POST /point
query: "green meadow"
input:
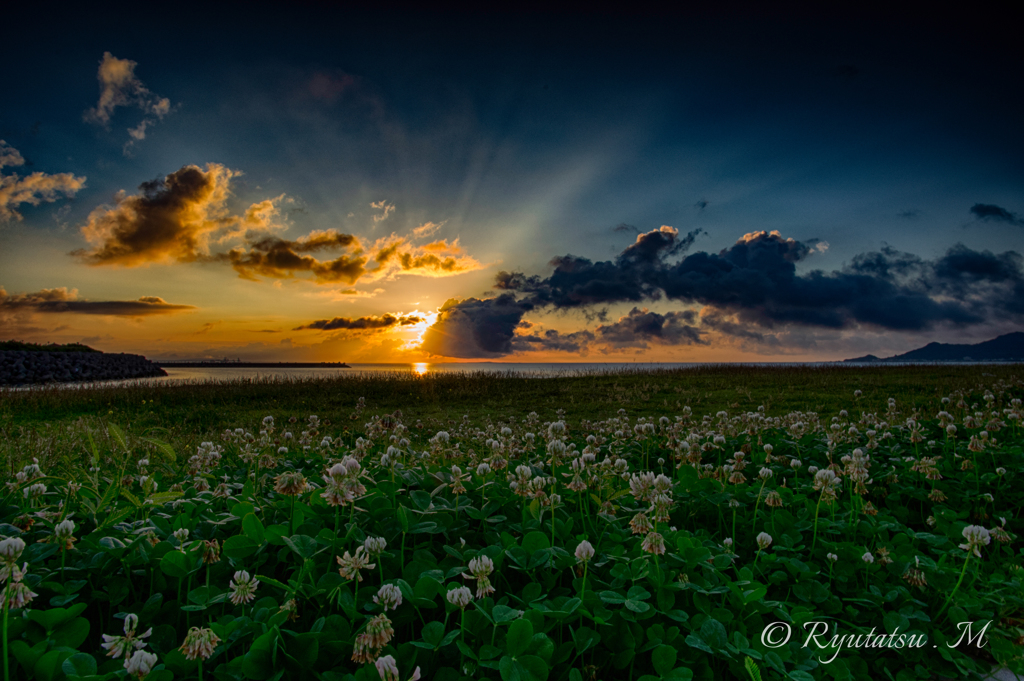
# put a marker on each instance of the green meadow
(826, 522)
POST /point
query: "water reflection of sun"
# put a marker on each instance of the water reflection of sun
(420, 368)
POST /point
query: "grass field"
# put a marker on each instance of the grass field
(187, 413)
(642, 526)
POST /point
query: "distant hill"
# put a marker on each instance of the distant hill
(19, 346)
(1005, 348)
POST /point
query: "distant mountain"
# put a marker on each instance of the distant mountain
(1005, 348)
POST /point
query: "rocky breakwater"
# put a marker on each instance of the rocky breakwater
(21, 367)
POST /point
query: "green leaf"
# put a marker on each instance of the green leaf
(638, 593)
(536, 666)
(301, 544)
(79, 664)
(433, 633)
(520, 632)
(535, 541)
(253, 528)
(403, 518)
(895, 622)
(512, 670)
(176, 564)
(503, 613)
(165, 448)
(71, 634)
(48, 668)
(305, 649)
(585, 638)
(798, 675)
(118, 435)
(612, 597)
(54, 617)
(421, 499)
(258, 663)
(664, 659)
(699, 644)
(239, 546)
(637, 606)
(714, 634)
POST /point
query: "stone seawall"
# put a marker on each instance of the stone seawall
(19, 368)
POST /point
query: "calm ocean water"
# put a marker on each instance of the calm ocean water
(540, 370)
(550, 369)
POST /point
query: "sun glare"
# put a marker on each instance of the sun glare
(420, 368)
(413, 333)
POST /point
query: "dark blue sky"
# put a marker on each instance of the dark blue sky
(528, 135)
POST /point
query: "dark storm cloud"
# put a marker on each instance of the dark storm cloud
(988, 212)
(62, 300)
(578, 282)
(701, 205)
(474, 328)
(385, 321)
(640, 327)
(754, 283)
(577, 342)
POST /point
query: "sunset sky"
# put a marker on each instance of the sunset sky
(309, 182)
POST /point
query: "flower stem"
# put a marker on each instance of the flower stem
(7, 672)
(958, 582)
(757, 503)
(816, 508)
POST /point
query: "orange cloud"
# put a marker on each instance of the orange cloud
(32, 189)
(172, 219)
(395, 255)
(62, 300)
(120, 87)
(370, 323)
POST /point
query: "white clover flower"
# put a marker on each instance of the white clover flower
(584, 552)
(387, 667)
(11, 548)
(976, 536)
(199, 643)
(832, 557)
(389, 597)
(868, 558)
(64, 530)
(118, 646)
(768, 449)
(1000, 471)
(483, 469)
(181, 535)
(764, 540)
(375, 546)
(243, 588)
(140, 664)
(460, 597)
(765, 473)
(727, 542)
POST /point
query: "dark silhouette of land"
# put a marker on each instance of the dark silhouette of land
(1006, 348)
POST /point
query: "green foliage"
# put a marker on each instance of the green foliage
(411, 523)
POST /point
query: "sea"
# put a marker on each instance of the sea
(227, 373)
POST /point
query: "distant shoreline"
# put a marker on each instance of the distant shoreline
(252, 365)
